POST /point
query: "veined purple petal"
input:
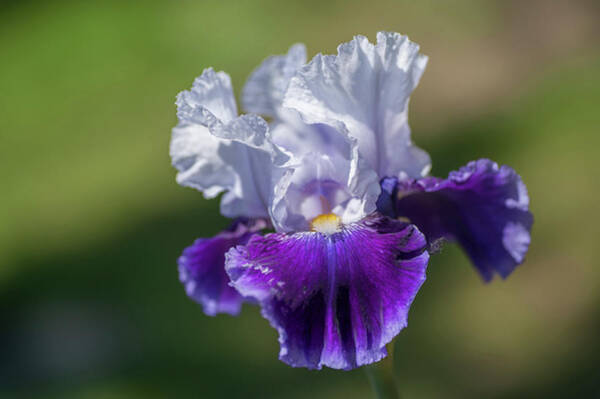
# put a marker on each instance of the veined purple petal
(202, 268)
(336, 300)
(482, 206)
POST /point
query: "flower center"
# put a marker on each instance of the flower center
(327, 223)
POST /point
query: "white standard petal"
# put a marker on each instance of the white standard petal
(321, 183)
(291, 133)
(255, 175)
(215, 150)
(195, 154)
(212, 92)
(264, 90)
(366, 88)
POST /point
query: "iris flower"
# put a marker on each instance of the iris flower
(345, 193)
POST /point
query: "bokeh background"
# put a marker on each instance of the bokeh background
(92, 221)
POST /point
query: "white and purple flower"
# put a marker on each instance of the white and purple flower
(336, 175)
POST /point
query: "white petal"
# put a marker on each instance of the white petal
(255, 174)
(215, 150)
(195, 154)
(366, 88)
(291, 133)
(319, 182)
(212, 92)
(263, 93)
(213, 165)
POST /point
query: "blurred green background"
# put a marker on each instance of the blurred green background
(92, 221)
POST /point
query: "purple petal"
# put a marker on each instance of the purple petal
(336, 300)
(482, 206)
(202, 268)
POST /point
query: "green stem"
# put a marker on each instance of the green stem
(382, 378)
